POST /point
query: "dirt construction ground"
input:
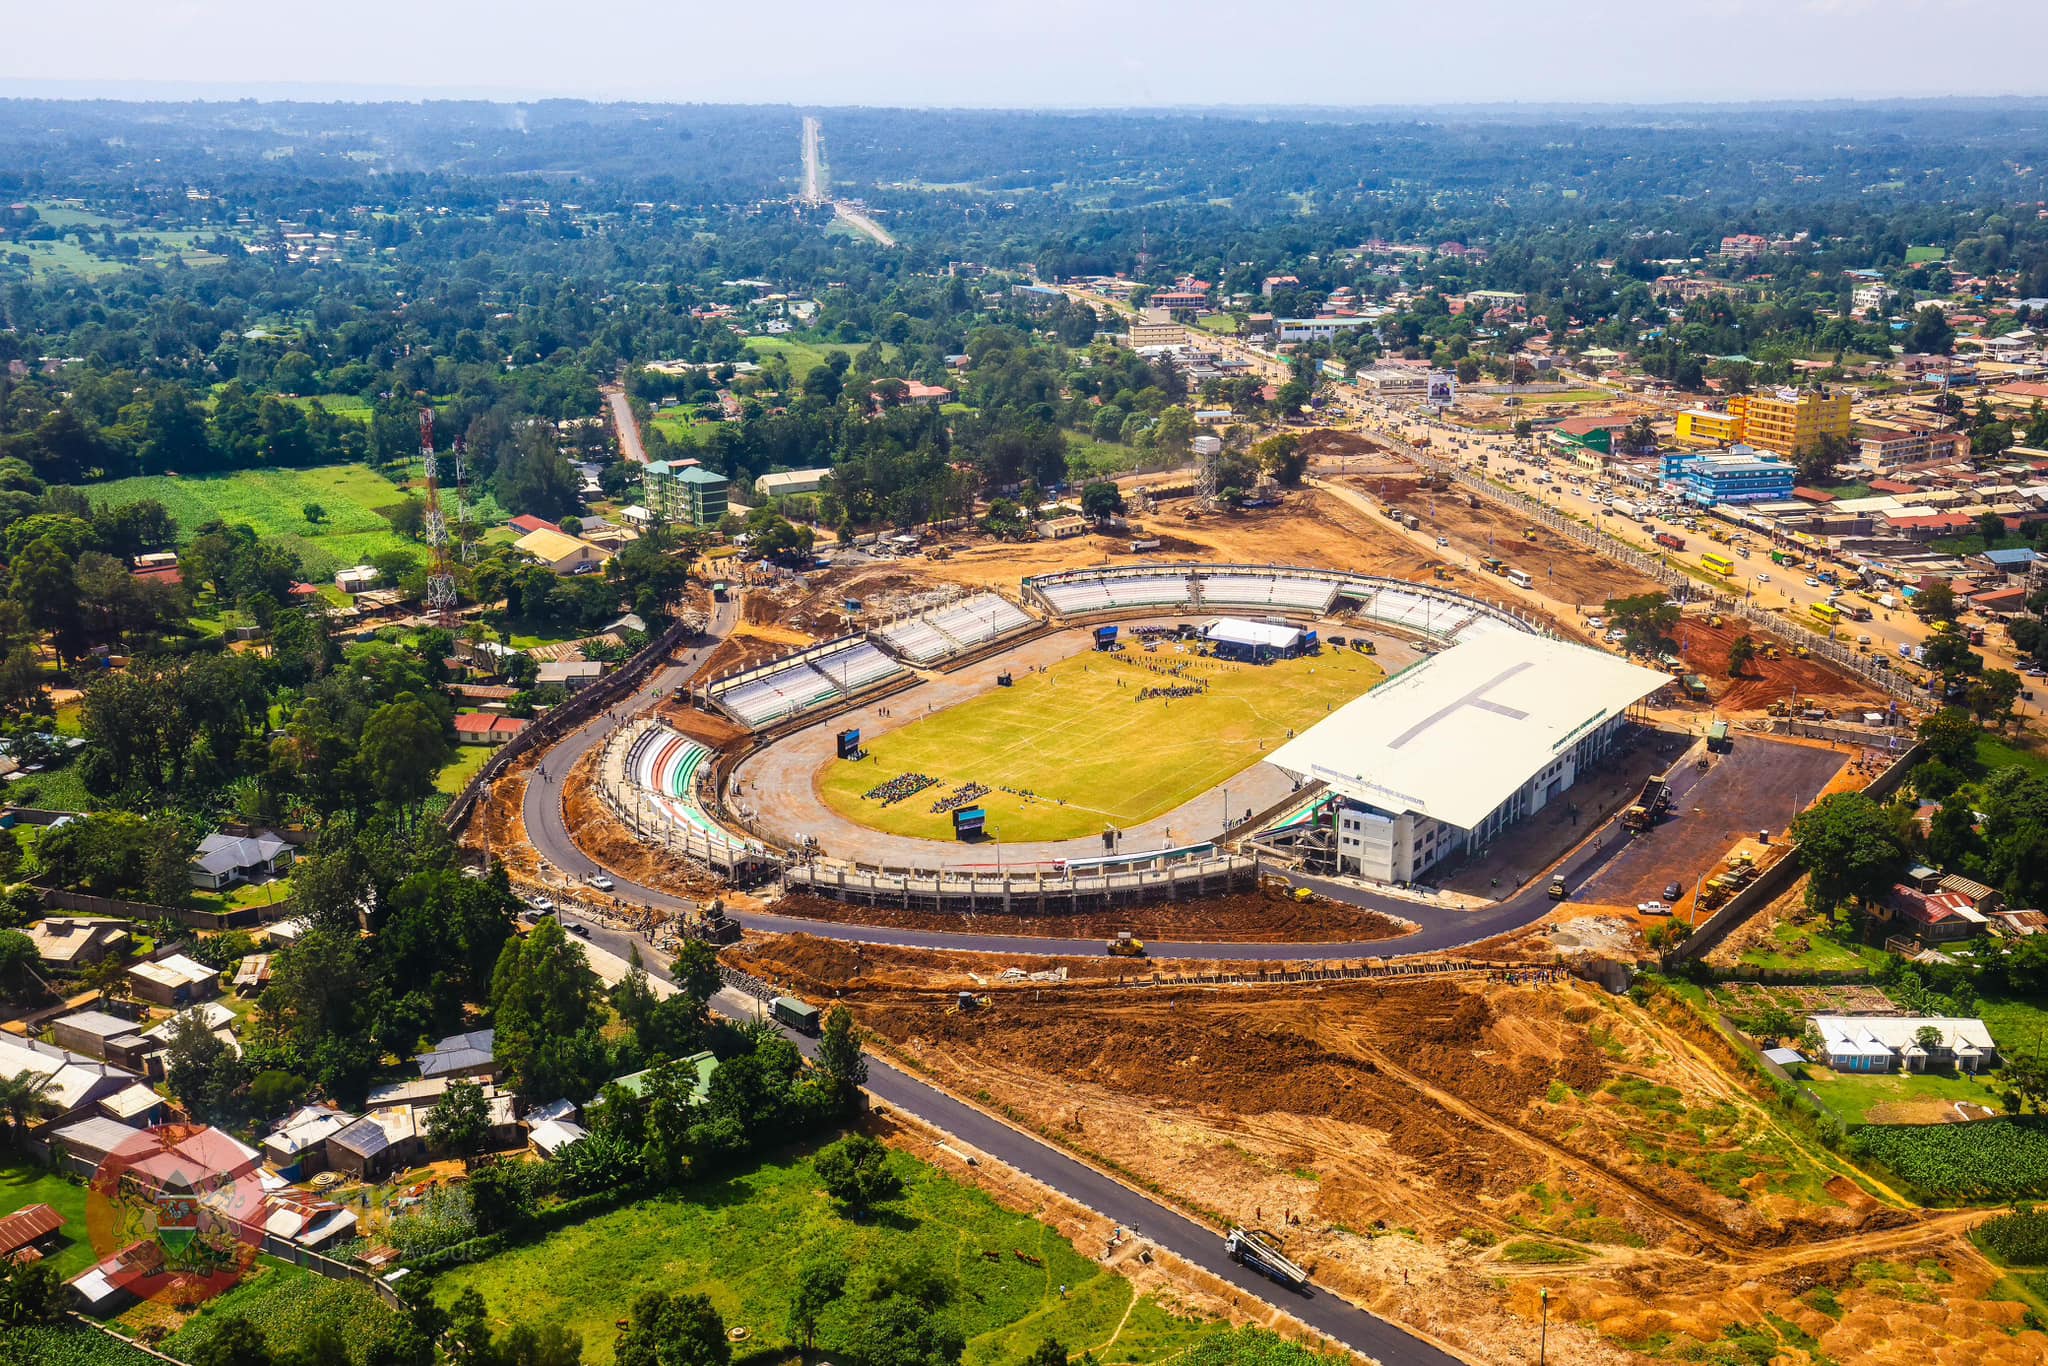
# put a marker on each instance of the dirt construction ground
(1440, 1149)
(1764, 681)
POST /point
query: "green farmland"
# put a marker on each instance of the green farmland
(1092, 752)
(272, 502)
(741, 1241)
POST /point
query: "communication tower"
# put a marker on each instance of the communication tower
(441, 576)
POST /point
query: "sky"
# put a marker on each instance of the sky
(1028, 53)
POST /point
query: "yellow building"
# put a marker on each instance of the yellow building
(1704, 427)
(1791, 421)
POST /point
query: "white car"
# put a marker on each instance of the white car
(1763, 578)
(602, 883)
(1596, 622)
(1813, 583)
(1617, 635)
(541, 905)
(1443, 540)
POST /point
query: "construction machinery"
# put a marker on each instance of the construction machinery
(1125, 946)
(1259, 1251)
(1557, 889)
(713, 926)
(1652, 802)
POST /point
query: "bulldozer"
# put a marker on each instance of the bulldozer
(1124, 946)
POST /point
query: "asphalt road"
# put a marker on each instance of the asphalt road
(1157, 1224)
(629, 428)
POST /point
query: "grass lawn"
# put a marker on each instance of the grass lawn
(806, 356)
(350, 406)
(245, 895)
(1221, 323)
(354, 497)
(1994, 753)
(2015, 1022)
(1088, 458)
(1916, 255)
(740, 1241)
(1797, 946)
(468, 759)
(25, 1184)
(1896, 1098)
(1072, 735)
(682, 426)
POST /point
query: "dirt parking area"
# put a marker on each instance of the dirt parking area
(1758, 785)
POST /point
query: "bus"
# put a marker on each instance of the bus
(1717, 564)
(1826, 613)
(1519, 578)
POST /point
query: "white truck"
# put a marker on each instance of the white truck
(1259, 1252)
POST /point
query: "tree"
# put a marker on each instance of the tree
(820, 1281)
(1937, 602)
(204, 1070)
(1049, 1352)
(544, 1002)
(1646, 621)
(404, 747)
(855, 1172)
(236, 1342)
(1928, 1037)
(1992, 696)
(695, 970)
(314, 513)
(1850, 848)
(18, 958)
(21, 1098)
(460, 1122)
(1947, 652)
(1282, 458)
(840, 1061)
(31, 1293)
(1102, 500)
(1741, 651)
(673, 1330)
(2026, 1071)
(1930, 334)
(1950, 737)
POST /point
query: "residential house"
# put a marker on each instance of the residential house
(306, 1220)
(358, 579)
(1931, 917)
(93, 1140)
(28, 1233)
(297, 1148)
(70, 1082)
(527, 523)
(486, 728)
(252, 974)
(574, 675)
(110, 1286)
(1891, 1043)
(460, 1055)
(224, 860)
(550, 1136)
(87, 1032)
(174, 981)
(684, 493)
(378, 1144)
(563, 554)
(68, 943)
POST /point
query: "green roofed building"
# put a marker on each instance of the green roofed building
(683, 491)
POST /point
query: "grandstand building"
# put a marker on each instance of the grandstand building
(1451, 751)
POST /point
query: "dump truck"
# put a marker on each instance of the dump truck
(1669, 541)
(801, 1016)
(1653, 801)
(1124, 946)
(1258, 1251)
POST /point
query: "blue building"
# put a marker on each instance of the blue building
(1737, 475)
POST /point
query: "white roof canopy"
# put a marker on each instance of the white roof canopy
(1453, 737)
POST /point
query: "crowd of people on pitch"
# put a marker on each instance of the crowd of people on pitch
(959, 797)
(1177, 690)
(900, 789)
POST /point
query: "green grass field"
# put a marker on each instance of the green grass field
(468, 760)
(682, 426)
(1917, 255)
(273, 502)
(805, 356)
(740, 1241)
(1854, 1097)
(1995, 754)
(288, 1304)
(1796, 946)
(25, 1184)
(347, 406)
(1072, 735)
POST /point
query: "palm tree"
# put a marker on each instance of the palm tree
(21, 1097)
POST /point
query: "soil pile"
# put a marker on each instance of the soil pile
(1263, 915)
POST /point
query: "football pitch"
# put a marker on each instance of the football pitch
(1077, 738)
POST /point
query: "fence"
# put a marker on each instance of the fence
(1655, 567)
(570, 715)
(238, 919)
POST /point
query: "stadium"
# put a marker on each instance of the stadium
(1131, 719)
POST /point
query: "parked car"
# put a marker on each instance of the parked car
(602, 883)
(1672, 891)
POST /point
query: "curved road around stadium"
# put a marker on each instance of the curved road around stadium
(1438, 927)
